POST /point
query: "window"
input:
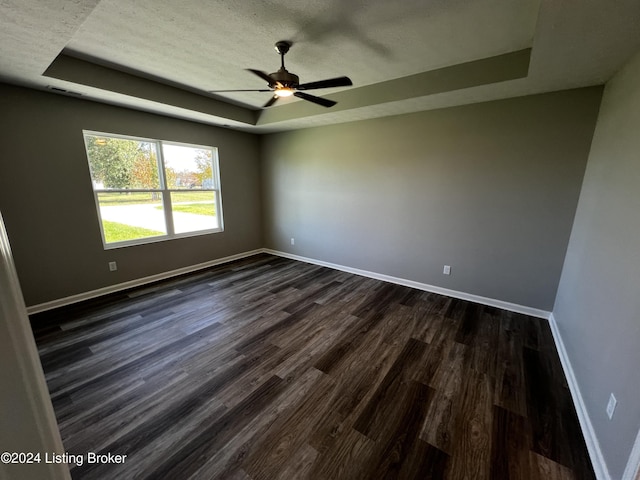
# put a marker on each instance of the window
(151, 190)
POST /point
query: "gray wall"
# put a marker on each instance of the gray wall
(598, 303)
(490, 189)
(49, 209)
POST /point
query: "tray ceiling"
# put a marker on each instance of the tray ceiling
(165, 55)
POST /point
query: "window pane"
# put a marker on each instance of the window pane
(193, 211)
(130, 216)
(188, 167)
(121, 163)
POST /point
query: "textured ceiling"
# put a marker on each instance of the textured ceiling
(404, 56)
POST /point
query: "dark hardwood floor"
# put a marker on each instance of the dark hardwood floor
(268, 368)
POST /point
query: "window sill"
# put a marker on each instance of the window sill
(159, 238)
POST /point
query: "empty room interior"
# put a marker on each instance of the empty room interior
(320, 239)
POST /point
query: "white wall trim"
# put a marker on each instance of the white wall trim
(593, 446)
(513, 307)
(633, 465)
(33, 426)
(41, 307)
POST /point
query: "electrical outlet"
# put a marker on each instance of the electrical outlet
(447, 270)
(293, 241)
(611, 406)
(113, 266)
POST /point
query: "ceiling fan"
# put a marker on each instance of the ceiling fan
(285, 84)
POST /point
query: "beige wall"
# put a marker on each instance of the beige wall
(47, 200)
(490, 189)
(598, 302)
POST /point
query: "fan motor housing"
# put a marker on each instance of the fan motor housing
(284, 78)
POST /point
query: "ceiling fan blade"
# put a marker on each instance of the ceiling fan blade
(251, 90)
(262, 75)
(311, 98)
(331, 82)
(271, 101)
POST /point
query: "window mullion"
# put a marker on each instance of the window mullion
(166, 195)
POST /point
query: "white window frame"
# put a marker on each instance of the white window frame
(163, 190)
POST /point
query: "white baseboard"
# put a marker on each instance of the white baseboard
(534, 312)
(633, 465)
(41, 307)
(593, 446)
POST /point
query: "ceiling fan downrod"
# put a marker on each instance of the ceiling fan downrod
(282, 47)
(282, 79)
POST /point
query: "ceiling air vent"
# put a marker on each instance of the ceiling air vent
(63, 91)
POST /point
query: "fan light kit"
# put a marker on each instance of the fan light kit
(284, 92)
(285, 84)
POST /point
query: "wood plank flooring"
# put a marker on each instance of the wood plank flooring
(268, 368)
